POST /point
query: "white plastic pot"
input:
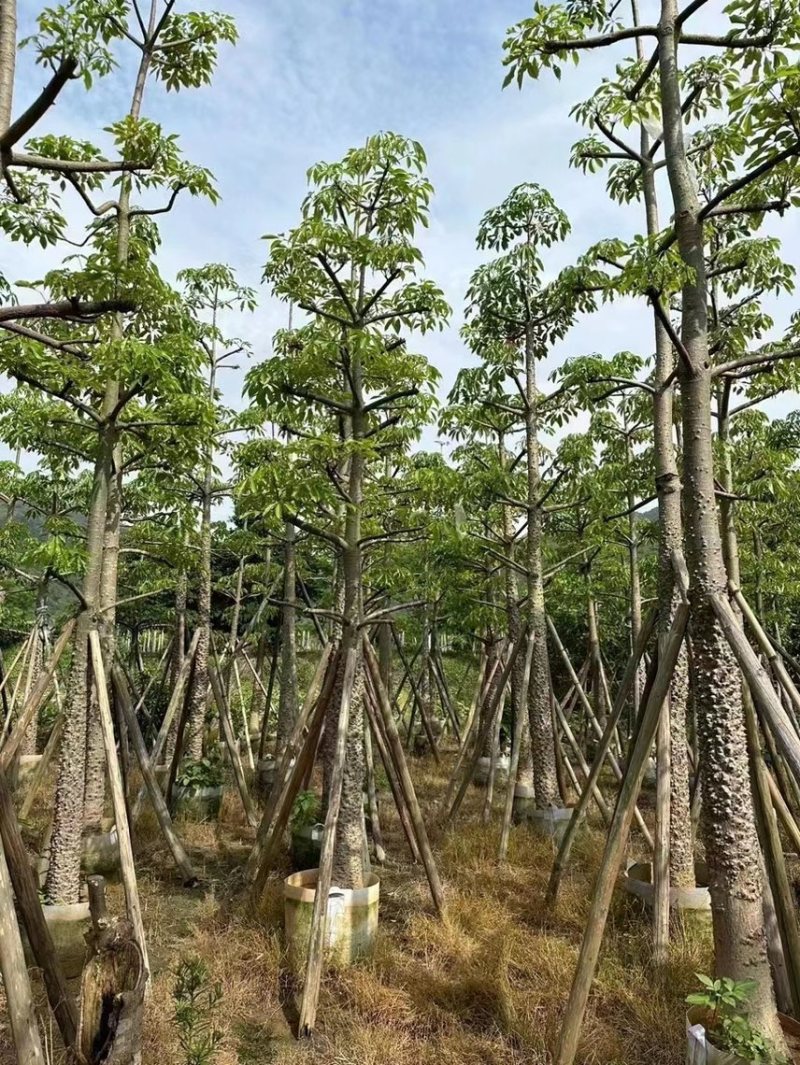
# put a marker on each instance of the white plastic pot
(701, 1051)
(638, 881)
(524, 803)
(68, 923)
(552, 822)
(101, 852)
(199, 804)
(266, 768)
(483, 769)
(352, 919)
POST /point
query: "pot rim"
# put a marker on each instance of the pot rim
(301, 887)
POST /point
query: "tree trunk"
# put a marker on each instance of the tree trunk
(287, 700)
(732, 848)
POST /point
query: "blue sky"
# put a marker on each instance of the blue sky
(310, 78)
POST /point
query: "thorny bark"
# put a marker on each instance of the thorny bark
(670, 539)
(287, 703)
(8, 59)
(543, 752)
(732, 848)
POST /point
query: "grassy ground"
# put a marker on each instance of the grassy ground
(487, 984)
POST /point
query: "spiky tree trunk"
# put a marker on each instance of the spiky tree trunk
(287, 703)
(670, 539)
(36, 663)
(8, 59)
(732, 848)
(543, 752)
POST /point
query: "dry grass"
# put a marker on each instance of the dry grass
(485, 985)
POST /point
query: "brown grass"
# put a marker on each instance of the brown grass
(485, 985)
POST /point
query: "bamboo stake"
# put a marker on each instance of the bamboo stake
(473, 706)
(773, 854)
(784, 813)
(597, 794)
(395, 748)
(16, 983)
(273, 669)
(169, 715)
(179, 855)
(419, 702)
(40, 772)
(391, 773)
(765, 696)
(12, 702)
(617, 838)
(516, 742)
(36, 699)
(598, 731)
(233, 748)
(128, 867)
(626, 684)
(495, 754)
(372, 797)
(767, 647)
(485, 731)
(319, 916)
(26, 889)
(245, 722)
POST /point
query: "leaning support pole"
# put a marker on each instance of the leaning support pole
(26, 889)
(395, 747)
(230, 740)
(578, 813)
(516, 742)
(53, 741)
(766, 698)
(16, 982)
(180, 857)
(35, 699)
(127, 864)
(391, 775)
(587, 706)
(617, 839)
(767, 648)
(319, 916)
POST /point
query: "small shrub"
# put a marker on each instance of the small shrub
(195, 1000)
(306, 810)
(723, 1002)
(205, 773)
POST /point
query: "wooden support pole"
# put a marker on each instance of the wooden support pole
(391, 774)
(319, 916)
(598, 731)
(175, 700)
(772, 849)
(520, 721)
(26, 889)
(372, 797)
(567, 1046)
(273, 670)
(233, 748)
(16, 982)
(767, 648)
(127, 865)
(579, 811)
(180, 857)
(50, 748)
(35, 699)
(766, 698)
(419, 702)
(395, 748)
(597, 794)
(486, 729)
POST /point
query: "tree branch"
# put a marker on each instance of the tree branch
(46, 98)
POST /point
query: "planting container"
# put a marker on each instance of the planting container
(638, 881)
(552, 822)
(306, 845)
(101, 852)
(266, 768)
(351, 926)
(701, 1051)
(198, 804)
(68, 923)
(524, 804)
(483, 767)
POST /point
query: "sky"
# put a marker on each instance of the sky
(311, 78)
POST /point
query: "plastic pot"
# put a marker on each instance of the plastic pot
(352, 919)
(552, 822)
(101, 852)
(701, 1051)
(483, 769)
(68, 923)
(638, 881)
(266, 768)
(199, 804)
(306, 845)
(524, 804)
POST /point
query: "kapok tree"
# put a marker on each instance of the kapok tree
(515, 316)
(345, 385)
(755, 51)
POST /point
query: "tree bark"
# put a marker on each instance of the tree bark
(732, 848)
